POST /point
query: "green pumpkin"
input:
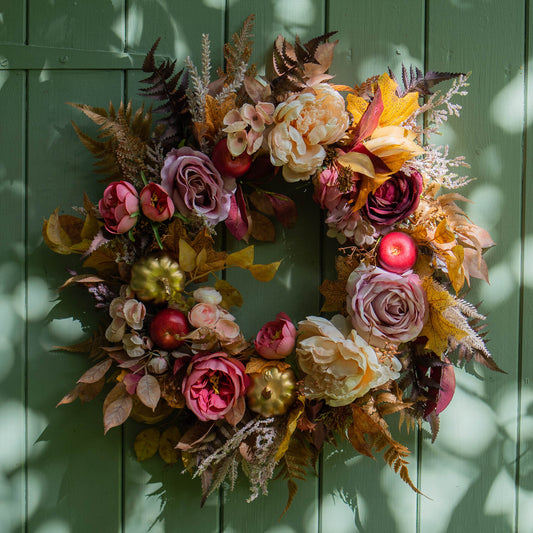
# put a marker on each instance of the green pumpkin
(157, 279)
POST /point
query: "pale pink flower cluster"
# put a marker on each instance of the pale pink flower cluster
(124, 311)
(304, 124)
(245, 127)
(215, 318)
(339, 365)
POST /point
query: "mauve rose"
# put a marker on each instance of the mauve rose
(395, 200)
(213, 385)
(156, 204)
(195, 185)
(119, 207)
(385, 308)
(276, 339)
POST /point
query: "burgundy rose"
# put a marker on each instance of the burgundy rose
(395, 199)
(385, 308)
(119, 207)
(156, 203)
(214, 385)
(195, 185)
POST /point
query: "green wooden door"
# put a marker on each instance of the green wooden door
(58, 473)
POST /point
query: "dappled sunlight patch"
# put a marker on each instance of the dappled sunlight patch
(500, 499)
(502, 286)
(338, 515)
(487, 205)
(507, 107)
(53, 525)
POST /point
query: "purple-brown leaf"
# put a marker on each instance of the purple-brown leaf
(149, 391)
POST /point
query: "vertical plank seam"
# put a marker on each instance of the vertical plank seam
(224, 238)
(420, 439)
(25, 22)
(521, 291)
(125, 12)
(26, 268)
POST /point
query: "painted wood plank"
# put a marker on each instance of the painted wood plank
(13, 21)
(524, 487)
(159, 496)
(94, 25)
(12, 302)
(74, 472)
(360, 494)
(294, 290)
(469, 473)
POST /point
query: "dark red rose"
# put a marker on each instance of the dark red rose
(395, 200)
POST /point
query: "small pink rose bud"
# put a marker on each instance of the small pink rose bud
(156, 204)
(276, 339)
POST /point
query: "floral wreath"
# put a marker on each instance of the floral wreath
(174, 354)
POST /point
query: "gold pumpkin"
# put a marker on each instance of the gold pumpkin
(157, 279)
(272, 391)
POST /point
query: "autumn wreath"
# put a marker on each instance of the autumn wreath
(170, 347)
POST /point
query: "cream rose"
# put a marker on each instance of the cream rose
(339, 367)
(304, 124)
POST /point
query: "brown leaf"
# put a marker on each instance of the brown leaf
(334, 293)
(167, 445)
(262, 227)
(195, 436)
(235, 414)
(261, 202)
(117, 412)
(82, 279)
(89, 391)
(149, 391)
(146, 443)
(96, 372)
(362, 424)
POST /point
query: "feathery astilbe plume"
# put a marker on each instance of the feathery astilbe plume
(155, 159)
(168, 88)
(121, 154)
(235, 84)
(435, 164)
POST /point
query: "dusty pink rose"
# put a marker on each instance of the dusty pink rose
(156, 204)
(276, 339)
(195, 185)
(204, 314)
(385, 308)
(214, 384)
(395, 199)
(119, 207)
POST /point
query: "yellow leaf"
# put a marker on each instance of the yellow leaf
(257, 365)
(201, 258)
(292, 422)
(146, 444)
(438, 328)
(243, 258)
(230, 295)
(187, 256)
(264, 272)
(443, 233)
(395, 109)
(356, 106)
(167, 445)
(454, 263)
(357, 162)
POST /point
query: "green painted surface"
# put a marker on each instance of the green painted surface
(77, 480)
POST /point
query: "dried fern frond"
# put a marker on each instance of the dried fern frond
(239, 50)
(414, 80)
(169, 88)
(121, 154)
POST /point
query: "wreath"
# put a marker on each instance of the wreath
(170, 348)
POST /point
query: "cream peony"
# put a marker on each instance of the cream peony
(304, 124)
(340, 365)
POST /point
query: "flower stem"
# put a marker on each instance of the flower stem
(156, 233)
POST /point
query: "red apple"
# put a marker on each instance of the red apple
(226, 164)
(397, 252)
(167, 327)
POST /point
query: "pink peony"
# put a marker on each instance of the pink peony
(119, 207)
(214, 385)
(385, 308)
(195, 185)
(156, 204)
(276, 339)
